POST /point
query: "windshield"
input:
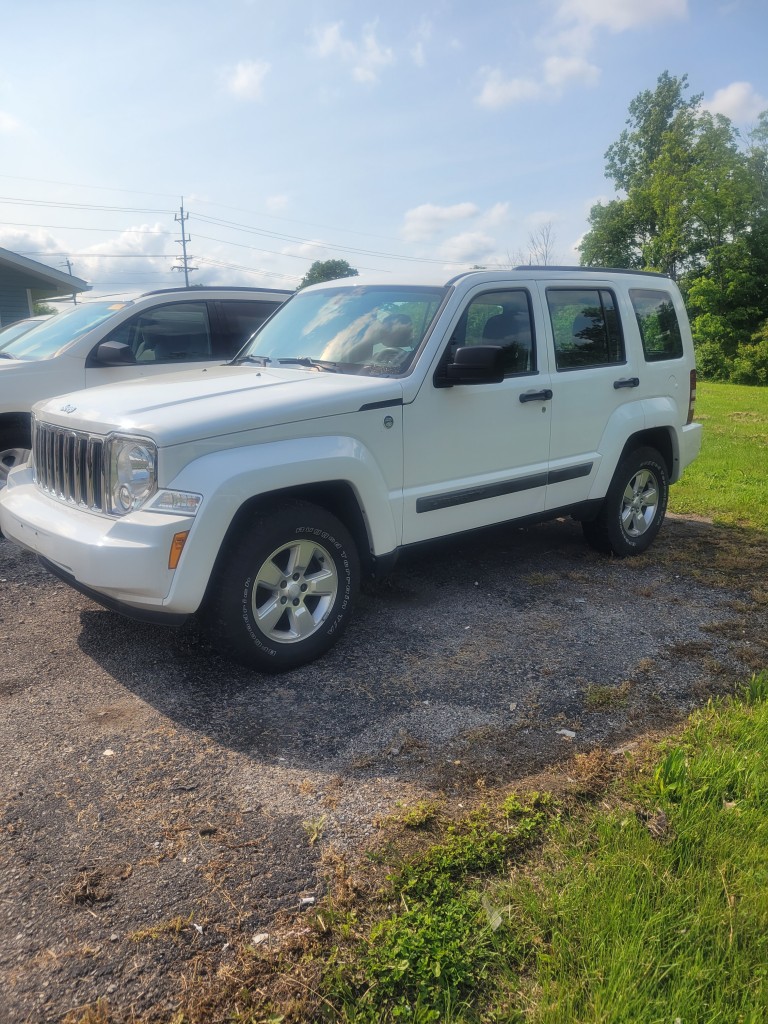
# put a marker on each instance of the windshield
(7, 334)
(47, 338)
(374, 329)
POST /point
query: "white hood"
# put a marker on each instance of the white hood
(180, 407)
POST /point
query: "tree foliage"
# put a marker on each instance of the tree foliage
(327, 270)
(692, 202)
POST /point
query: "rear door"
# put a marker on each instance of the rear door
(592, 381)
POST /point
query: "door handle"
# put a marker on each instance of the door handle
(536, 396)
(627, 382)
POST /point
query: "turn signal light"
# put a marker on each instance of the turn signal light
(177, 546)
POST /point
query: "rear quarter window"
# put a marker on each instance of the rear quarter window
(658, 324)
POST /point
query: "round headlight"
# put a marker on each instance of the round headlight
(133, 478)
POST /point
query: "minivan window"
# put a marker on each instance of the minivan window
(45, 340)
(657, 320)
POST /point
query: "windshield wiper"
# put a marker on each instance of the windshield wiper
(6, 355)
(319, 364)
(258, 360)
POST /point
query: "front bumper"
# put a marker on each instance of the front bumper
(123, 563)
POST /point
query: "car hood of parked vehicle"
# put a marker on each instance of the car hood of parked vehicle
(180, 407)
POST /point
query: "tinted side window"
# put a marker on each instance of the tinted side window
(179, 332)
(239, 319)
(585, 327)
(657, 320)
(501, 318)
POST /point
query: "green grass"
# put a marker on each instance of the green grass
(728, 482)
(660, 918)
(651, 907)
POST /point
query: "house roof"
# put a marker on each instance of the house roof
(42, 278)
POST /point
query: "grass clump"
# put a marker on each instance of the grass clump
(438, 946)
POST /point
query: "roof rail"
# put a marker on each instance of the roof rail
(218, 288)
(599, 270)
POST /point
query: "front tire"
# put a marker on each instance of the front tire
(634, 507)
(15, 445)
(282, 592)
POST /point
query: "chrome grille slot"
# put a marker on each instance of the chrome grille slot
(69, 465)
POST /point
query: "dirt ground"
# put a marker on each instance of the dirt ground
(159, 805)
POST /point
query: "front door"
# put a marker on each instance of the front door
(478, 454)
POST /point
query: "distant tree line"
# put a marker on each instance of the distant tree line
(692, 202)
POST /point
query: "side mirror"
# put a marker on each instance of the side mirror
(113, 353)
(476, 364)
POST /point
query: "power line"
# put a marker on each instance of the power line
(80, 206)
(79, 227)
(266, 232)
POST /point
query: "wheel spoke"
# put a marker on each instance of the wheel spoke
(651, 494)
(323, 583)
(269, 614)
(303, 623)
(300, 555)
(270, 576)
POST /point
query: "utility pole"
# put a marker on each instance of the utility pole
(69, 271)
(180, 218)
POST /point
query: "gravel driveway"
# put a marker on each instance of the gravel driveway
(159, 803)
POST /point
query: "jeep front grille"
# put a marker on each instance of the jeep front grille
(69, 465)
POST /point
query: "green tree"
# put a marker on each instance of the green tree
(327, 270)
(693, 203)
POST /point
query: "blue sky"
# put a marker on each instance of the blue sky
(410, 139)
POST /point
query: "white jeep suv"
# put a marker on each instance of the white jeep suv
(360, 419)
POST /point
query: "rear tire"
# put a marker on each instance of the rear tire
(634, 507)
(282, 592)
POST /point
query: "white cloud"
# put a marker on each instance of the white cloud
(423, 222)
(417, 54)
(495, 216)
(107, 269)
(739, 101)
(366, 57)
(560, 70)
(468, 247)
(34, 244)
(276, 204)
(566, 42)
(422, 35)
(499, 91)
(7, 123)
(246, 79)
(620, 15)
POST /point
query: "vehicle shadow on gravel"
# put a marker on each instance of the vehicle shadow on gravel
(476, 653)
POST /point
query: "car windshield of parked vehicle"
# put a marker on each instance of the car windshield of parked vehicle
(364, 329)
(15, 330)
(45, 340)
